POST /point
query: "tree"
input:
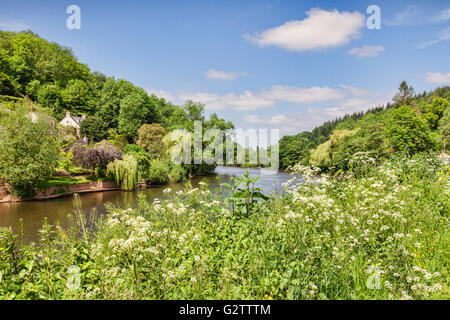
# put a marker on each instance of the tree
(125, 172)
(435, 110)
(407, 132)
(50, 96)
(132, 114)
(151, 139)
(79, 97)
(28, 151)
(444, 128)
(97, 156)
(94, 128)
(405, 95)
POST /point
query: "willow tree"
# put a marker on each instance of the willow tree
(125, 172)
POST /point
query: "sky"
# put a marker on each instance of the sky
(288, 65)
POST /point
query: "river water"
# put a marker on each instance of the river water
(33, 213)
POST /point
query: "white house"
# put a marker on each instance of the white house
(73, 121)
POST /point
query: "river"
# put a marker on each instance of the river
(33, 213)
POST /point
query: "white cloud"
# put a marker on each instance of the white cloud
(222, 75)
(302, 95)
(366, 51)
(443, 36)
(13, 26)
(249, 100)
(321, 29)
(438, 78)
(242, 102)
(443, 16)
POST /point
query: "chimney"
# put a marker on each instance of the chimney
(83, 116)
(67, 113)
(31, 108)
(85, 139)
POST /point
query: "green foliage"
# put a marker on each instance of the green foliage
(28, 151)
(132, 114)
(435, 111)
(142, 158)
(244, 200)
(94, 128)
(444, 129)
(65, 160)
(6, 87)
(79, 97)
(159, 172)
(150, 137)
(322, 156)
(407, 132)
(177, 173)
(125, 172)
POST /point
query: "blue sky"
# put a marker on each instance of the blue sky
(261, 64)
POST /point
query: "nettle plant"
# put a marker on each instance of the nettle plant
(245, 198)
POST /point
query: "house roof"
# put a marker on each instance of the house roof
(77, 119)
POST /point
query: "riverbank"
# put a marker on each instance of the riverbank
(63, 190)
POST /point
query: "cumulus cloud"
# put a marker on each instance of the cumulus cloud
(438, 78)
(222, 75)
(366, 51)
(13, 26)
(321, 29)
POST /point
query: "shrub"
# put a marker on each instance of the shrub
(178, 173)
(159, 172)
(97, 156)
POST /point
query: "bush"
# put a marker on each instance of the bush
(159, 172)
(178, 173)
